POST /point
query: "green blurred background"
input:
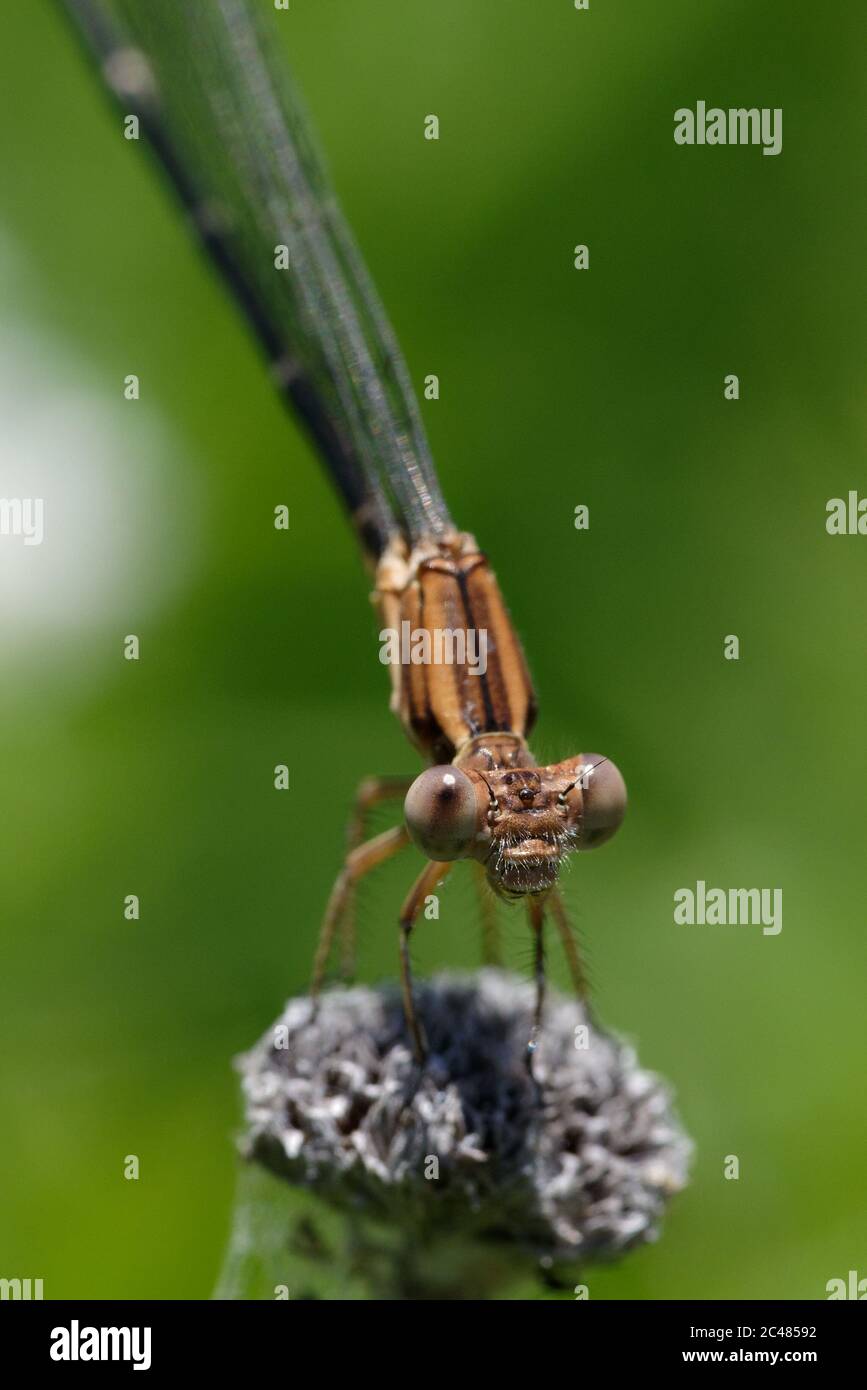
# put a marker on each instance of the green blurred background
(259, 647)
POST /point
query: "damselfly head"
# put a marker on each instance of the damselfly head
(543, 814)
(520, 822)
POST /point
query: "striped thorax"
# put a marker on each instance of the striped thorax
(485, 798)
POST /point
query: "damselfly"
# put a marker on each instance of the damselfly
(204, 81)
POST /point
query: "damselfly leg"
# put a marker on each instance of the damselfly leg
(536, 913)
(537, 907)
(491, 954)
(570, 946)
(424, 885)
(359, 862)
(372, 792)
(361, 859)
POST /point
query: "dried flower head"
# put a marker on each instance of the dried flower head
(576, 1161)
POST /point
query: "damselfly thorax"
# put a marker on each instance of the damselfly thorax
(446, 586)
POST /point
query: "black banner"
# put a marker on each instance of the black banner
(233, 1338)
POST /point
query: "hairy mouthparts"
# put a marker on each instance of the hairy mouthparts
(576, 1162)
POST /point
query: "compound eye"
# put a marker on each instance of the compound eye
(441, 813)
(604, 800)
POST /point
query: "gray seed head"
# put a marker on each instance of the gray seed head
(576, 1162)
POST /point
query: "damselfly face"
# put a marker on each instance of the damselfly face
(520, 822)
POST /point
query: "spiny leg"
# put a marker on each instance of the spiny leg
(371, 792)
(536, 909)
(424, 884)
(580, 981)
(570, 946)
(491, 954)
(358, 863)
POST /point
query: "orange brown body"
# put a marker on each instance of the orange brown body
(486, 798)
